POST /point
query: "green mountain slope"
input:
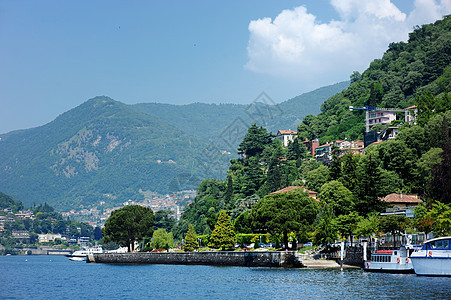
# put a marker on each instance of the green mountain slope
(213, 122)
(101, 150)
(397, 80)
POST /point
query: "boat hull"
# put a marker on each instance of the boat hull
(398, 268)
(432, 266)
(77, 258)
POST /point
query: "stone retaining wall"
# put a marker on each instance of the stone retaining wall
(223, 258)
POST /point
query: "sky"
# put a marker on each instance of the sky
(55, 55)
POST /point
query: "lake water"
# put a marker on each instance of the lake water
(55, 277)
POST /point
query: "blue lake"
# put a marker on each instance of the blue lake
(55, 277)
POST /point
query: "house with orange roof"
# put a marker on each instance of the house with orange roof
(311, 194)
(286, 136)
(401, 204)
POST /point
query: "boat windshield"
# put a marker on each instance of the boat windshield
(437, 245)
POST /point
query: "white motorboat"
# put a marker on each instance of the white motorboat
(434, 258)
(391, 261)
(82, 254)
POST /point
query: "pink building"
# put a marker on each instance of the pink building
(380, 116)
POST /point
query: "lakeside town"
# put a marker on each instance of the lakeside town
(97, 215)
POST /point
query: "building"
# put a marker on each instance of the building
(379, 116)
(401, 204)
(83, 240)
(20, 234)
(411, 115)
(49, 237)
(311, 145)
(4, 219)
(311, 194)
(355, 147)
(23, 216)
(389, 133)
(324, 153)
(286, 136)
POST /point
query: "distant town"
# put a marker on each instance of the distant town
(97, 215)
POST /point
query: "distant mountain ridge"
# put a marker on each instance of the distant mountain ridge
(210, 121)
(104, 150)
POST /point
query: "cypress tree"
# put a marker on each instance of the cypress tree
(190, 240)
(223, 235)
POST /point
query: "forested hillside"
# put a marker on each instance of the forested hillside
(349, 189)
(397, 80)
(107, 151)
(101, 150)
(43, 219)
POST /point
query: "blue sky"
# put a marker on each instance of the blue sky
(55, 55)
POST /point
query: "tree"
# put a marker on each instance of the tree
(190, 240)
(367, 226)
(335, 165)
(162, 239)
(325, 231)
(242, 223)
(317, 177)
(423, 172)
(370, 187)
(228, 195)
(395, 156)
(441, 214)
(355, 76)
(164, 220)
(349, 167)
(346, 224)
(253, 176)
(283, 213)
(97, 233)
(129, 224)
(423, 220)
(223, 235)
(393, 224)
(296, 150)
(426, 105)
(337, 196)
(441, 184)
(255, 141)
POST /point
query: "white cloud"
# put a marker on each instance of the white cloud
(296, 45)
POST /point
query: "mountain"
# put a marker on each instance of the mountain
(104, 150)
(212, 122)
(100, 150)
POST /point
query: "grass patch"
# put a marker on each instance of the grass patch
(302, 250)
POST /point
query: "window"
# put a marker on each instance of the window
(443, 244)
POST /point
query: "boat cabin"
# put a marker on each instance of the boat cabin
(437, 244)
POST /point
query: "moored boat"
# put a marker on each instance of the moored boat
(391, 261)
(434, 258)
(82, 254)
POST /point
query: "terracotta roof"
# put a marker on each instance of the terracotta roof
(312, 194)
(411, 107)
(401, 198)
(287, 132)
(325, 145)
